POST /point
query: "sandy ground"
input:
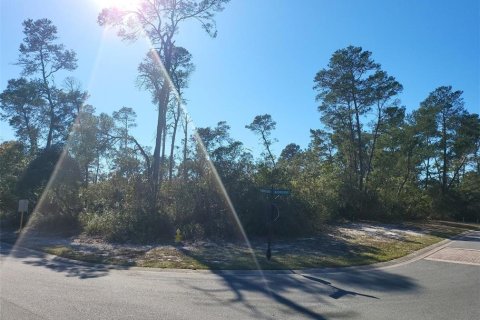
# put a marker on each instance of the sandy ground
(332, 238)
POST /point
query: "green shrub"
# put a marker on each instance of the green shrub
(51, 183)
(139, 227)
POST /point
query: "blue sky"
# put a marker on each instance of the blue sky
(265, 57)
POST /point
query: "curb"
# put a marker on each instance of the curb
(50, 256)
(409, 258)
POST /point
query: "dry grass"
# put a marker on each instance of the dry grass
(341, 245)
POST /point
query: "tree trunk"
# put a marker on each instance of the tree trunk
(353, 154)
(407, 175)
(185, 148)
(375, 135)
(97, 170)
(359, 146)
(163, 98)
(478, 160)
(456, 172)
(31, 137)
(163, 158)
(161, 122)
(172, 145)
(50, 130)
(427, 177)
(156, 152)
(86, 175)
(50, 103)
(444, 155)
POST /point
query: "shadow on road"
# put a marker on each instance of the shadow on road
(303, 294)
(339, 292)
(57, 264)
(307, 293)
(473, 238)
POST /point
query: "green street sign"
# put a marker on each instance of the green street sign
(284, 192)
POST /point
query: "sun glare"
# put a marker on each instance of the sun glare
(119, 4)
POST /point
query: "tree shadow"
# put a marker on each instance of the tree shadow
(72, 269)
(69, 268)
(244, 285)
(320, 251)
(339, 292)
(304, 292)
(469, 238)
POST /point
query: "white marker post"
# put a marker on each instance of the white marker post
(23, 209)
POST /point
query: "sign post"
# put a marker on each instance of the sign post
(23, 209)
(271, 215)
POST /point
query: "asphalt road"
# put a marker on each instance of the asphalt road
(36, 286)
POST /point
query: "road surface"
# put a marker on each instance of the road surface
(443, 285)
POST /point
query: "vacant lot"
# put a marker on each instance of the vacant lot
(337, 245)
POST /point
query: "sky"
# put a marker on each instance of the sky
(264, 57)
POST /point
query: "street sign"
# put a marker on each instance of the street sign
(271, 218)
(22, 208)
(23, 205)
(275, 191)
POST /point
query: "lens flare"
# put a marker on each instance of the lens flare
(126, 5)
(211, 165)
(119, 4)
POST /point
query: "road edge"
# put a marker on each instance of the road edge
(412, 257)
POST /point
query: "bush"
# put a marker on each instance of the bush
(138, 227)
(193, 231)
(13, 161)
(51, 183)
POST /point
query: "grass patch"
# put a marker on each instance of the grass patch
(338, 246)
(70, 253)
(446, 229)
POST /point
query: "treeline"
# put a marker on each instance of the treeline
(84, 171)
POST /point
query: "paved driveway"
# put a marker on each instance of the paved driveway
(443, 285)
